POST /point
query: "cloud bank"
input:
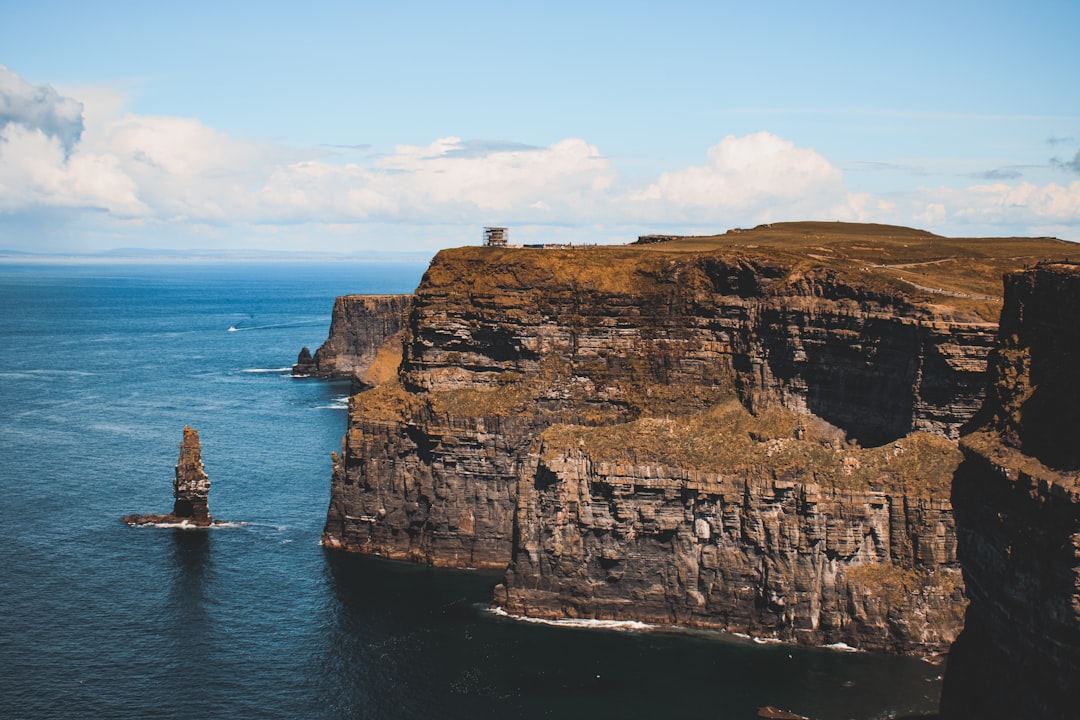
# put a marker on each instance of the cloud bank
(138, 171)
(39, 108)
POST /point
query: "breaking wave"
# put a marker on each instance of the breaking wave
(841, 647)
(338, 403)
(183, 525)
(627, 625)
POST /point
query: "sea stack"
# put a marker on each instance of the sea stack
(191, 490)
(191, 486)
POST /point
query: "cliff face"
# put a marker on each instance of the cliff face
(1017, 500)
(416, 484)
(854, 352)
(794, 534)
(359, 326)
(611, 422)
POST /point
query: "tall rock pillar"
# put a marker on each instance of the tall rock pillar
(191, 486)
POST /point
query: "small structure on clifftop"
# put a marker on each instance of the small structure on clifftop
(191, 489)
(651, 239)
(495, 236)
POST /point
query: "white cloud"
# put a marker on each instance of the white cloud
(994, 209)
(187, 171)
(35, 172)
(759, 175)
(438, 183)
(39, 107)
(177, 173)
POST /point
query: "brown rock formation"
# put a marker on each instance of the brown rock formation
(790, 532)
(1017, 500)
(571, 412)
(359, 326)
(191, 485)
(191, 489)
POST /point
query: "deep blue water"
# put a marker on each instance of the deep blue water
(101, 369)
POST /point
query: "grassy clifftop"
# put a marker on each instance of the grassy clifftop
(956, 275)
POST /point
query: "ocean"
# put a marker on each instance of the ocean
(104, 365)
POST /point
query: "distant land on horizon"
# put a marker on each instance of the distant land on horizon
(153, 255)
(778, 235)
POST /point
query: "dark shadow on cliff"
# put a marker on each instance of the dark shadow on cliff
(1051, 416)
(865, 389)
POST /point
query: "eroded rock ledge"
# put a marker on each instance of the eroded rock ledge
(359, 326)
(1017, 504)
(753, 431)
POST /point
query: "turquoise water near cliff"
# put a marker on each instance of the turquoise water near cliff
(104, 365)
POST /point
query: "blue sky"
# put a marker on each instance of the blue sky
(353, 126)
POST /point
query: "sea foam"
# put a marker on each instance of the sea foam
(627, 625)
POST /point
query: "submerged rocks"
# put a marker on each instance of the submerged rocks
(191, 489)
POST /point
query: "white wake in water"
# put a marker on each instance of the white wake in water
(268, 370)
(299, 323)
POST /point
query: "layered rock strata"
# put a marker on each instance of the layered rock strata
(359, 326)
(1017, 504)
(786, 532)
(489, 448)
(853, 351)
(191, 484)
(191, 489)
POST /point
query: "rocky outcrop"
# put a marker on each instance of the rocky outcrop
(414, 483)
(790, 533)
(191, 489)
(844, 347)
(1017, 504)
(191, 484)
(359, 326)
(610, 422)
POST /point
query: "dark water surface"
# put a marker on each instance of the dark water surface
(101, 369)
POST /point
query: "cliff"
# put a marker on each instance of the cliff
(771, 525)
(751, 431)
(1017, 505)
(359, 326)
